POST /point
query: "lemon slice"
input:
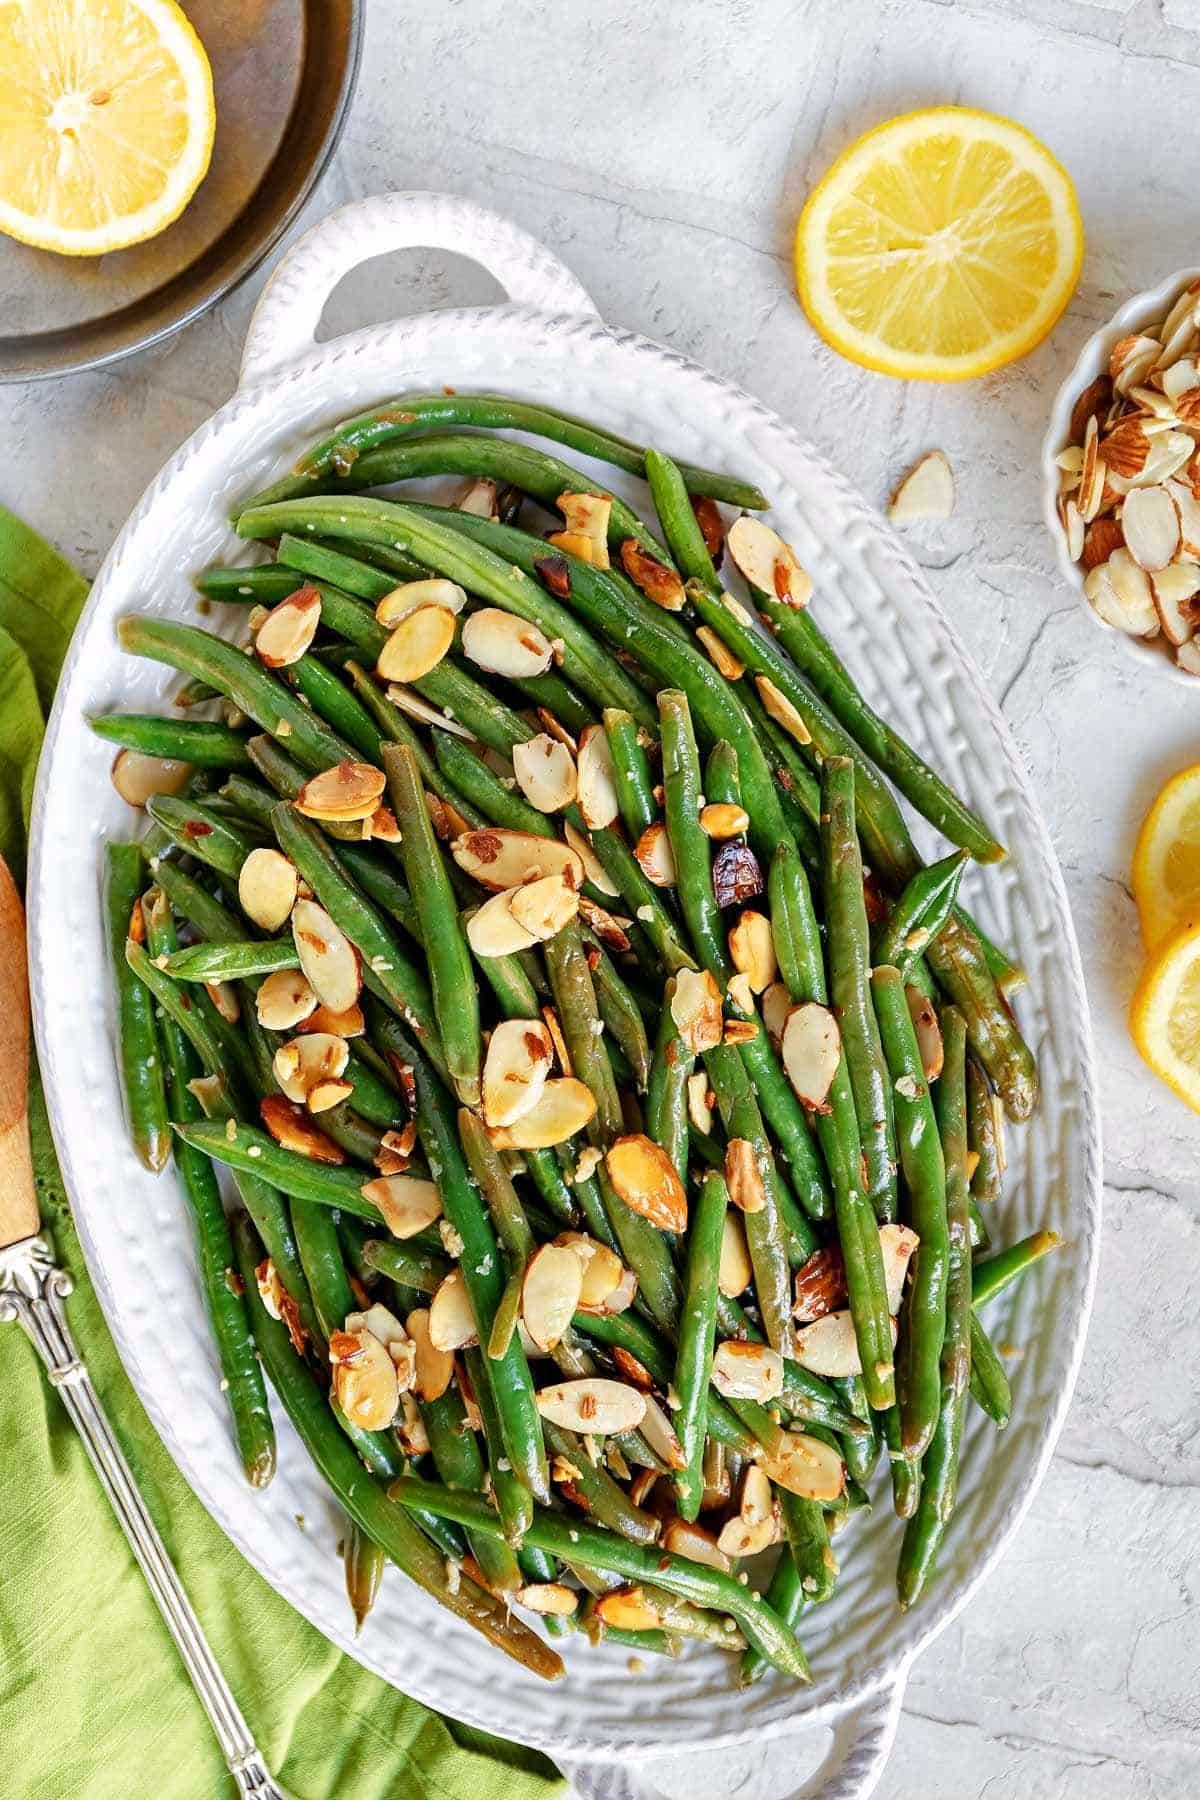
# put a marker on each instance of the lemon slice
(1166, 861)
(940, 245)
(106, 121)
(1165, 1014)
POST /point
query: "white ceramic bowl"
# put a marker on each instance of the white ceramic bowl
(550, 345)
(1148, 308)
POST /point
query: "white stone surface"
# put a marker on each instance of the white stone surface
(664, 150)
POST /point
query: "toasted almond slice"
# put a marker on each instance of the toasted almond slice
(736, 1539)
(291, 1126)
(923, 1014)
(305, 1061)
(752, 949)
(323, 1096)
(593, 869)
(284, 1000)
(1174, 589)
(608, 929)
(544, 906)
(776, 1005)
(721, 820)
(739, 1031)
(1100, 539)
(347, 1024)
(518, 1060)
(820, 1285)
(574, 543)
(603, 1272)
(1188, 508)
(587, 516)
(659, 1433)
(410, 595)
(766, 562)
(504, 644)
(747, 1371)
(289, 629)
(781, 709)
(829, 1346)
(418, 644)
(1131, 360)
(434, 1367)
(1136, 619)
(736, 1271)
(500, 859)
(350, 790)
(550, 1018)
(327, 956)
(657, 581)
(806, 1466)
(395, 1150)
(1187, 657)
(743, 1177)
(811, 1049)
(492, 930)
(364, 1379)
(1150, 523)
(757, 1503)
(646, 1179)
(1126, 447)
(700, 1102)
(720, 654)
(419, 709)
(138, 777)
(627, 1609)
(927, 491)
(410, 1428)
(451, 1319)
(597, 782)
(1168, 454)
(896, 1243)
(545, 772)
(550, 1293)
(408, 1203)
(696, 1009)
(383, 1324)
(681, 1538)
(548, 1597)
(594, 1405)
(563, 1108)
(267, 888)
(223, 995)
(655, 855)
(739, 993)
(1095, 398)
(480, 497)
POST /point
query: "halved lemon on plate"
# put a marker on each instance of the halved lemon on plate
(1166, 860)
(1165, 1014)
(940, 245)
(106, 121)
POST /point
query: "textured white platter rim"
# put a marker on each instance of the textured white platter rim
(898, 645)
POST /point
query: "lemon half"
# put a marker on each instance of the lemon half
(106, 121)
(940, 245)
(1166, 861)
(1165, 1014)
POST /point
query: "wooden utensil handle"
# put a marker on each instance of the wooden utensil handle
(18, 1208)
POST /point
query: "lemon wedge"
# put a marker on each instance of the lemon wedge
(1165, 1014)
(940, 245)
(106, 121)
(1166, 860)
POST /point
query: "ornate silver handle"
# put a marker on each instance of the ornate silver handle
(32, 1290)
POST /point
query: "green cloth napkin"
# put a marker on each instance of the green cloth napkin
(94, 1701)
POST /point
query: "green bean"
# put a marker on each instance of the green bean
(363, 1561)
(326, 564)
(990, 1277)
(765, 1234)
(638, 893)
(631, 771)
(680, 526)
(983, 1136)
(461, 697)
(920, 913)
(232, 961)
(850, 966)
(924, 1320)
(721, 784)
(605, 1500)
(1008, 975)
(553, 694)
(264, 584)
(495, 1184)
(142, 1076)
(189, 1012)
(242, 679)
(320, 1248)
(860, 1452)
(807, 1531)
(620, 1013)
(195, 741)
(455, 997)
(681, 784)
(333, 701)
(202, 833)
(252, 1151)
(399, 729)
(960, 964)
(989, 1384)
(697, 1328)
(667, 1097)
(371, 1510)
(512, 1496)
(407, 1264)
(498, 804)
(195, 904)
(786, 1598)
(249, 798)
(457, 1459)
(905, 1469)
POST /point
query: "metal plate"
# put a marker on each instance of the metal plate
(283, 71)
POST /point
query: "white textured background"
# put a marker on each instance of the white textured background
(663, 151)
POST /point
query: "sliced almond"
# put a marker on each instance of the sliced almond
(747, 1371)
(480, 498)
(597, 782)
(1076, 531)
(603, 1273)
(721, 820)
(1168, 454)
(1174, 590)
(655, 579)
(410, 595)
(1092, 476)
(138, 777)
(593, 868)
(550, 1598)
(1100, 539)
(660, 1435)
(1131, 359)
(805, 1466)
(347, 1024)
(419, 709)
(544, 906)
(289, 629)
(757, 1503)
(1188, 508)
(417, 645)
(519, 1058)
(564, 1107)
(739, 993)
(829, 1346)
(223, 995)
(655, 855)
(306, 1061)
(587, 516)
(504, 644)
(896, 1244)
(1137, 620)
(1096, 398)
(596, 1406)
(752, 950)
(327, 956)
(501, 859)
(291, 1126)
(737, 1539)
(766, 562)
(1187, 657)
(545, 772)
(365, 1384)
(1126, 447)
(682, 1538)
(492, 930)
(776, 1005)
(324, 1095)
(267, 888)
(696, 1010)
(451, 1319)
(573, 543)
(350, 790)
(395, 1150)
(408, 1203)
(743, 1177)
(927, 491)
(550, 1293)
(284, 1000)
(720, 654)
(645, 1178)
(811, 1048)
(627, 1609)
(923, 1014)
(781, 709)
(820, 1285)
(736, 1271)
(1150, 523)
(410, 1428)
(700, 1102)
(434, 1367)
(609, 930)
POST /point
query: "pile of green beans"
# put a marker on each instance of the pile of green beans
(742, 878)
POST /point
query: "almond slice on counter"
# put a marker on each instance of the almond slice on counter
(419, 709)
(348, 791)
(593, 869)
(736, 1271)
(288, 629)
(417, 645)
(696, 1009)
(291, 1126)
(627, 1609)
(504, 644)
(752, 950)
(743, 1177)
(645, 1178)
(681, 1538)
(587, 516)
(451, 1320)
(597, 782)
(410, 595)
(927, 491)
(305, 1061)
(1150, 523)
(820, 1285)
(408, 1203)
(544, 906)
(721, 819)
(655, 855)
(564, 1107)
(434, 1367)
(766, 562)
(327, 957)
(747, 1371)
(550, 1293)
(365, 1383)
(896, 1243)
(1174, 590)
(776, 1005)
(811, 1048)
(518, 1061)
(501, 859)
(492, 930)
(594, 1405)
(138, 777)
(545, 772)
(655, 579)
(267, 888)
(285, 999)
